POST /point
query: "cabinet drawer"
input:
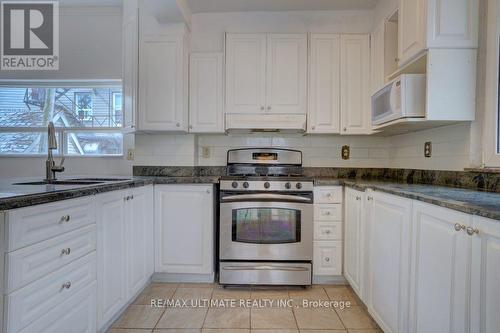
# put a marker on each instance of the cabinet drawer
(327, 259)
(328, 230)
(328, 212)
(30, 303)
(77, 314)
(26, 226)
(328, 194)
(33, 262)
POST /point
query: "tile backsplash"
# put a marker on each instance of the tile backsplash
(450, 149)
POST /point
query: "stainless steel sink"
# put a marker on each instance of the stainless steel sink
(62, 182)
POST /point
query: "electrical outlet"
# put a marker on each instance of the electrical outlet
(130, 154)
(346, 152)
(205, 152)
(428, 149)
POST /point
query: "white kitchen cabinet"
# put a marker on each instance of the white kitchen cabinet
(485, 289)
(130, 64)
(355, 84)
(286, 84)
(246, 73)
(354, 247)
(205, 93)
(184, 229)
(440, 270)
(428, 24)
(324, 84)
(327, 258)
(163, 83)
(377, 57)
(389, 269)
(111, 259)
(266, 73)
(139, 239)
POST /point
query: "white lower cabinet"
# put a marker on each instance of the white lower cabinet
(485, 286)
(389, 251)
(440, 267)
(354, 250)
(327, 258)
(124, 238)
(184, 229)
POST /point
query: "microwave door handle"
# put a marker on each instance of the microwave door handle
(266, 196)
(266, 268)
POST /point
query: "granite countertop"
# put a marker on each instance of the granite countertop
(485, 204)
(18, 196)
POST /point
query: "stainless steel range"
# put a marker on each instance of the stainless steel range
(266, 219)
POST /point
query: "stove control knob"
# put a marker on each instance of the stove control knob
(246, 185)
(267, 185)
(234, 184)
(288, 186)
(298, 186)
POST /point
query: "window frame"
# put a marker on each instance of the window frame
(491, 152)
(61, 132)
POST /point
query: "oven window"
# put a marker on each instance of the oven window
(266, 225)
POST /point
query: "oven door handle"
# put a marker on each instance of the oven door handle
(266, 268)
(266, 196)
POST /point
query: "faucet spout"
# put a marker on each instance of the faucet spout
(50, 165)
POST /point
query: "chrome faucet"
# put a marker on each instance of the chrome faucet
(50, 164)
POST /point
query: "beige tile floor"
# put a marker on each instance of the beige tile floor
(140, 317)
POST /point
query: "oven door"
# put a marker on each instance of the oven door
(266, 227)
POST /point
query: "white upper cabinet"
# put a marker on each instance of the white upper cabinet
(355, 84)
(324, 84)
(266, 73)
(377, 65)
(485, 289)
(245, 73)
(389, 263)
(440, 268)
(130, 68)
(428, 24)
(163, 90)
(286, 88)
(205, 93)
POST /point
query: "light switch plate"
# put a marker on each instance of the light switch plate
(205, 152)
(130, 154)
(346, 152)
(428, 149)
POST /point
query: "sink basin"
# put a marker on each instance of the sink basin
(62, 182)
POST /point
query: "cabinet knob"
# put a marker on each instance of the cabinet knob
(313, 127)
(190, 126)
(269, 108)
(345, 129)
(66, 285)
(132, 197)
(328, 195)
(459, 226)
(262, 108)
(472, 231)
(327, 259)
(208, 192)
(178, 125)
(65, 218)
(65, 252)
(327, 213)
(358, 198)
(369, 198)
(327, 232)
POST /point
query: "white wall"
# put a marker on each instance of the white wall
(90, 46)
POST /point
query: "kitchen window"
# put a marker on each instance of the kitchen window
(88, 119)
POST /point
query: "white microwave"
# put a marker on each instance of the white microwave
(403, 97)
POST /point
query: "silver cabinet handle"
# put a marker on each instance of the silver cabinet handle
(459, 226)
(66, 285)
(65, 218)
(472, 231)
(265, 268)
(266, 196)
(327, 259)
(66, 252)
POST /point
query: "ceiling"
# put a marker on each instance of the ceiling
(216, 6)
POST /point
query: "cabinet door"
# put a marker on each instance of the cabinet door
(130, 69)
(245, 73)
(205, 93)
(452, 23)
(327, 258)
(324, 84)
(184, 227)
(389, 261)
(411, 29)
(354, 245)
(111, 255)
(163, 83)
(485, 289)
(440, 266)
(286, 74)
(377, 66)
(140, 253)
(355, 84)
